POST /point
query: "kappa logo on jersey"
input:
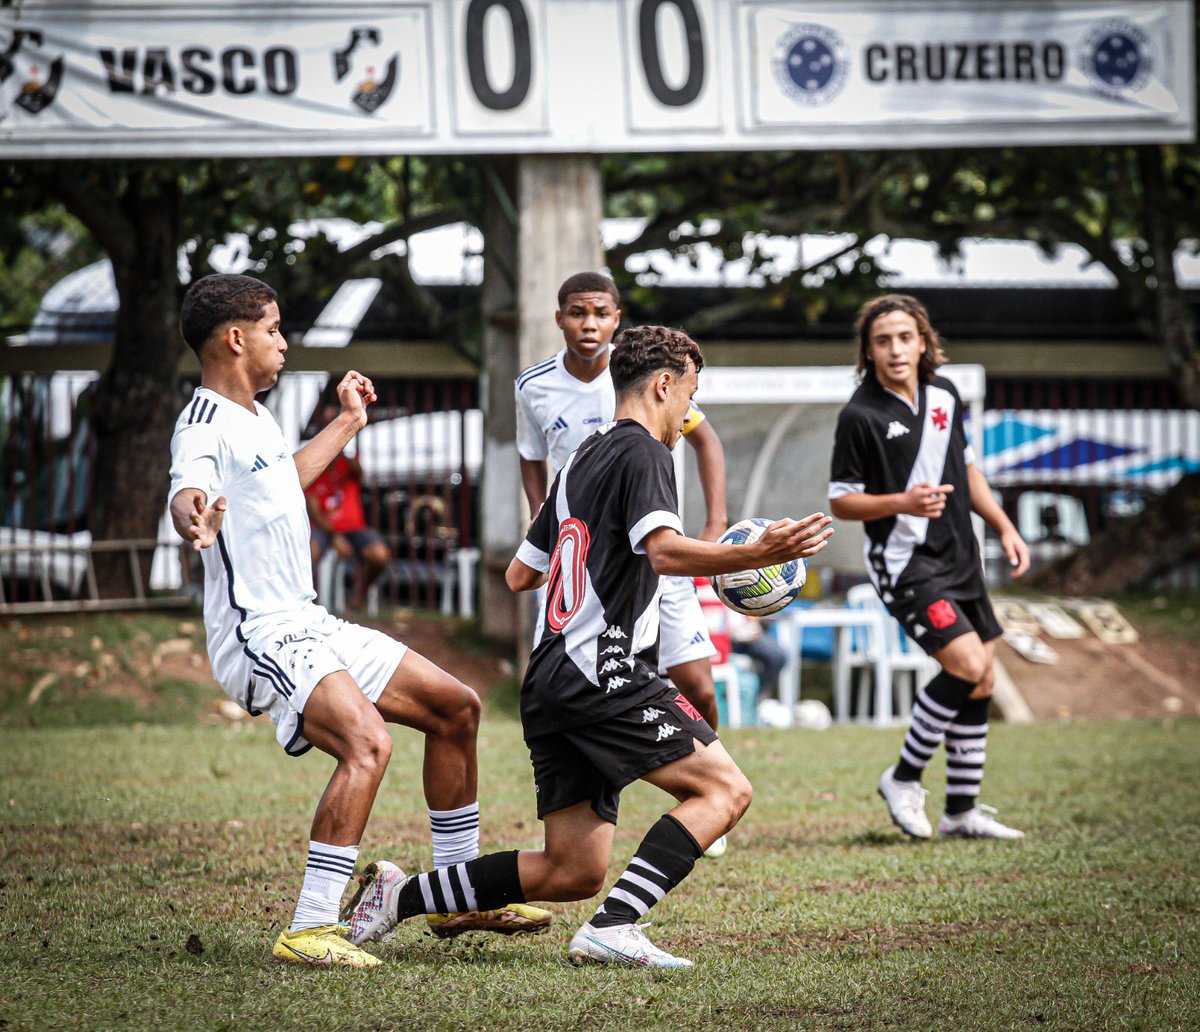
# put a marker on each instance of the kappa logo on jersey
(613, 632)
(666, 731)
(611, 666)
(612, 650)
(616, 682)
(941, 614)
(896, 429)
(940, 419)
(649, 716)
(687, 707)
(259, 463)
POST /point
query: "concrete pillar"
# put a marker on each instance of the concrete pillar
(541, 224)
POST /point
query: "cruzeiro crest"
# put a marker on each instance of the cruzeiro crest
(371, 91)
(810, 63)
(37, 77)
(1117, 58)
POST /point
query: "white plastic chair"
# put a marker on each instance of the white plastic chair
(901, 655)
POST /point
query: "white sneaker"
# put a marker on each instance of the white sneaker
(906, 803)
(371, 912)
(621, 944)
(976, 823)
(717, 848)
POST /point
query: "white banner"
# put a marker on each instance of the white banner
(277, 77)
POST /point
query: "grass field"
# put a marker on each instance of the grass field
(145, 871)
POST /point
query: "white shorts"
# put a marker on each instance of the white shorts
(682, 629)
(290, 661)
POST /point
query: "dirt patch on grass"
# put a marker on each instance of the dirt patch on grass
(1158, 676)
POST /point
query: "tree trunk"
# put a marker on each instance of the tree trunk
(1133, 551)
(1171, 312)
(135, 213)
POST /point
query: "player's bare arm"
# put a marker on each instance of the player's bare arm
(672, 554)
(984, 503)
(927, 500)
(710, 464)
(195, 521)
(533, 480)
(520, 577)
(355, 392)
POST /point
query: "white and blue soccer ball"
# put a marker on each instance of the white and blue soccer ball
(758, 592)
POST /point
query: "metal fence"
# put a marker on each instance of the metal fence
(1068, 456)
(421, 454)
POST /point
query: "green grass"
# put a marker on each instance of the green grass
(118, 845)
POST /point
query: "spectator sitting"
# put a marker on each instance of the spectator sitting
(336, 513)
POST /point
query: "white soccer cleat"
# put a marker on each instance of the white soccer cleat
(621, 944)
(717, 848)
(976, 823)
(371, 912)
(906, 803)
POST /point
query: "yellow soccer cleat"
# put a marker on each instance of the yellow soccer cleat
(511, 919)
(324, 946)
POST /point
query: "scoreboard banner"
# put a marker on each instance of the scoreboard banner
(292, 77)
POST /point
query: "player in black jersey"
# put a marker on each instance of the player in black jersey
(595, 713)
(902, 464)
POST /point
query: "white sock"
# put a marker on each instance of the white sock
(455, 835)
(325, 876)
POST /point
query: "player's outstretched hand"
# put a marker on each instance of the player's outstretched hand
(206, 522)
(928, 500)
(794, 539)
(356, 392)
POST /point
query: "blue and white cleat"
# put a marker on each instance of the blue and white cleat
(621, 944)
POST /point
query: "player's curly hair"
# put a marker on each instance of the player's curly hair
(217, 300)
(641, 351)
(872, 310)
(588, 283)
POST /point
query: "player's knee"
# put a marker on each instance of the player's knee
(972, 668)
(985, 684)
(461, 711)
(372, 750)
(731, 794)
(741, 795)
(376, 555)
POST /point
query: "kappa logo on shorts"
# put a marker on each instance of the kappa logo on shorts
(666, 731)
(687, 707)
(941, 614)
(649, 716)
(616, 682)
(919, 631)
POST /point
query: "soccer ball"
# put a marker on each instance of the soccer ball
(758, 592)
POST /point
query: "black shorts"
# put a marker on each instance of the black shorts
(933, 619)
(359, 539)
(594, 762)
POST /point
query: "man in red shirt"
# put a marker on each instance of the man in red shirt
(336, 513)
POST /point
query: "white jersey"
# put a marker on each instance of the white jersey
(260, 568)
(556, 412)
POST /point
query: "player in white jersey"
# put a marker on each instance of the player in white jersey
(560, 403)
(237, 494)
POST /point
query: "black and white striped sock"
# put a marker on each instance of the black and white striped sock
(325, 876)
(455, 835)
(666, 856)
(966, 751)
(934, 709)
(485, 883)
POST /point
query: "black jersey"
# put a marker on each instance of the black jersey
(884, 447)
(598, 652)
